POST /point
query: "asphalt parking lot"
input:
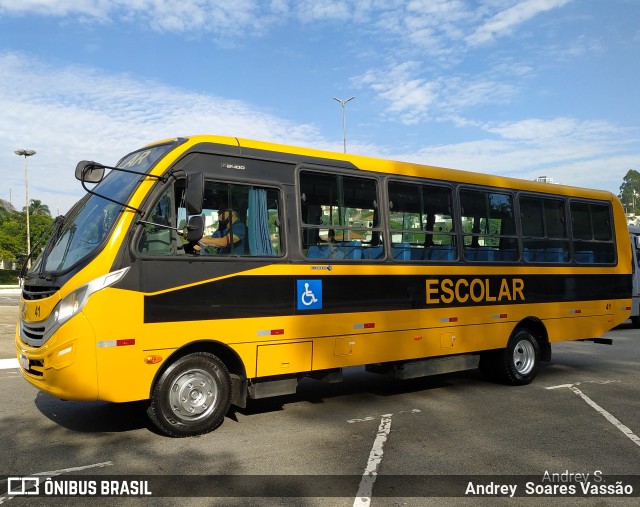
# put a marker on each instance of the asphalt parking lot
(366, 441)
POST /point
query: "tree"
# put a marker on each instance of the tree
(13, 232)
(5, 210)
(630, 191)
(36, 207)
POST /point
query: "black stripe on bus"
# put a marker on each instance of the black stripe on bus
(271, 296)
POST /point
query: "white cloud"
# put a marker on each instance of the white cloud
(406, 97)
(219, 17)
(335, 10)
(556, 129)
(504, 22)
(411, 98)
(435, 26)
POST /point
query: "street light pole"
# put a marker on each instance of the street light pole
(26, 154)
(344, 122)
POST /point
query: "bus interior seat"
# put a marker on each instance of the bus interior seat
(480, 254)
(440, 253)
(556, 255)
(315, 252)
(352, 249)
(585, 257)
(372, 252)
(401, 251)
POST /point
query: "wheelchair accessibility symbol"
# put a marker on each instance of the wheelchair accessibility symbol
(309, 295)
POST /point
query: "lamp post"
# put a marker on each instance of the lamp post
(26, 154)
(344, 123)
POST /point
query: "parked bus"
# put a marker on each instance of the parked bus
(634, 232)
(330, 261)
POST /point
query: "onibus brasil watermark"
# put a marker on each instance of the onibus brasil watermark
(64, 486)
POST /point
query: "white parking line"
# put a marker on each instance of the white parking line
(8, 364)
(624, 429)
(601, 382)
(627, 431)
(364, 419)
(363, 497)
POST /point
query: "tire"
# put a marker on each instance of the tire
(191, 397)
(519, 362)
(635, 321)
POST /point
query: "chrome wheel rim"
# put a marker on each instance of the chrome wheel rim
(193, 395)
(524, 357)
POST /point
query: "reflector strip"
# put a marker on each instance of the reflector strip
(573, 312)
(449, 319)
(366, 325)
(270, 332)
(625, 308)
(116, 343)
(500, 316)
(64, 351)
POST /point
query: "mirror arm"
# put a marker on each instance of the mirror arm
(163, 179)
(137, 210)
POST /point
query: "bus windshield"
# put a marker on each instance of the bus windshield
(92, 218)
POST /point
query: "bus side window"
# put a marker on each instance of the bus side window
(420, 221)
(255, 219)
(544, 230)
(339, 217)
(488, 226)
(592, 233)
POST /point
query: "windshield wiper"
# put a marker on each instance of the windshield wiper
(55, 225)
(58, 224)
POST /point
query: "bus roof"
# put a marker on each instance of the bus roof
(407, 168)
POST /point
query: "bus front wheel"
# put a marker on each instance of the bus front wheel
(191, 396)
(517, 364)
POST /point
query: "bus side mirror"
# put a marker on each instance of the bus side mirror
(89, 172)
(195, 229)
(194, 194)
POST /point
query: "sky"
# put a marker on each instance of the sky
(520, 88)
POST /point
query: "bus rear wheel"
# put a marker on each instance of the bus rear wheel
(191, 397)
(517, 364)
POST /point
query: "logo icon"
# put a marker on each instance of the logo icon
(309, 295)
(18, 486)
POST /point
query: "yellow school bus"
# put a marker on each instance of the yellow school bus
(200, 272)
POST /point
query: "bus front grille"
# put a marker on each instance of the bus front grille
(36, 367)
(34, 292)
(32, 335)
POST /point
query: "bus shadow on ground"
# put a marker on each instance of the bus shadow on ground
(93, 416)
(356, 382)
(106, 417)
(361, 383)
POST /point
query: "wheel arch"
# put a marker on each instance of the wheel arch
(226, 354)
(536, 327)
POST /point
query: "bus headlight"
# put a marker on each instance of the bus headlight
(70, 305)
(74, 302)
